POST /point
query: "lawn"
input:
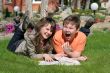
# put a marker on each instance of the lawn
(97, 50)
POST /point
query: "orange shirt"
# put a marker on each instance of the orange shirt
(77, 44)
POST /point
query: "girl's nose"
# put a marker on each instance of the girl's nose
(49, 32)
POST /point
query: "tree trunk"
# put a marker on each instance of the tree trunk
(69, 3)
(44, 6)
(1, 8)
(87, 4)
(74, 4)
(29, 7)
(78, 4)
(62, 4)
(108, 7)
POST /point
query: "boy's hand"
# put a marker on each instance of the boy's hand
(66, 47)
(82, 58)
(58, 56)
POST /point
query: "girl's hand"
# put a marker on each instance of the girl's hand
(47, 58)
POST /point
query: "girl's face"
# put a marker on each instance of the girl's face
(46, 31)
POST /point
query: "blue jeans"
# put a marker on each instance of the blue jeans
(16, 40)
(85, 30)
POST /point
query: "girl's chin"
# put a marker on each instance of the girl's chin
(46, 37)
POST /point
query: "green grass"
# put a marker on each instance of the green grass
(97, 50)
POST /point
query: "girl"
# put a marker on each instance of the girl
(35, 43)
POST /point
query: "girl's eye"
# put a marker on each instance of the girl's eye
(47, 29)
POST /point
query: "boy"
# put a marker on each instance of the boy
(70, 41)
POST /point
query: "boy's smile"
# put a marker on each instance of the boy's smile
(69, 31)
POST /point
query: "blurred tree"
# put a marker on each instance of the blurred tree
(48, 7)
(29, 7)
(65, 2)
(73, 4)
(76, 4)
(87, 4)
(44, 6)
(1, 8)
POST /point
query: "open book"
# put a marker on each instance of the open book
(61, 61)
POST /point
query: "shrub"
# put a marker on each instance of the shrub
(9, 28)
(2, 28)
(100, 17)
(83, 12)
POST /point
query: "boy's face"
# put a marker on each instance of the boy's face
(69, 31)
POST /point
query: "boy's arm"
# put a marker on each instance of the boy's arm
(57, 45)
(75, 52)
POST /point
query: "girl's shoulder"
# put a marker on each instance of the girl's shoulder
(29, 34)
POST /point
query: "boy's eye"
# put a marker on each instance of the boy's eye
(65, 26)
(70, 28)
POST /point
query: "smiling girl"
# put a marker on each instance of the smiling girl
(35, 43)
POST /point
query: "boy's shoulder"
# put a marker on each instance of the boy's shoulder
(59, 31)
(81, 34)
(58, 34)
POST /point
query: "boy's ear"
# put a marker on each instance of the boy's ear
(78, 29)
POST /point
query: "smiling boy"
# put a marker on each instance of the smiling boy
(70, 41)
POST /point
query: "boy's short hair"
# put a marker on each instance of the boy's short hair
(73, 19)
